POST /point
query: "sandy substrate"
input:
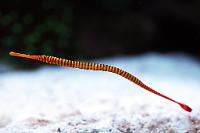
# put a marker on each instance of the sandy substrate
(55, 99)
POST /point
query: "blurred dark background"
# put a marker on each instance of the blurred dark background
(77, 29)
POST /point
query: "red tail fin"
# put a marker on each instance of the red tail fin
(185, 107)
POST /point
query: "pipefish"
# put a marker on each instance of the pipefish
(96, 67)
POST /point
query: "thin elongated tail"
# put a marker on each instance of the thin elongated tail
(95, 66)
